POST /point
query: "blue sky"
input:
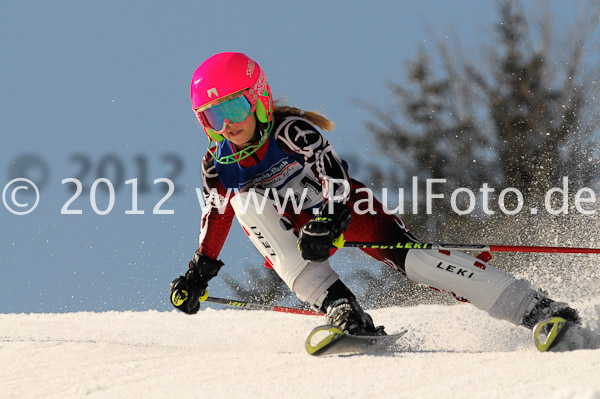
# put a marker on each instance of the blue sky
(104, 86)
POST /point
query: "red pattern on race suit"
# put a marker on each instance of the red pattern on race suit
(216, 219)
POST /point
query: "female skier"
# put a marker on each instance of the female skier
(264, 154)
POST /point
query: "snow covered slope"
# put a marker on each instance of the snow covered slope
(449, 352)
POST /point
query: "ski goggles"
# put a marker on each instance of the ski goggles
(235, 110)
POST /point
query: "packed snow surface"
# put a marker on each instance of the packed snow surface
(448, 352)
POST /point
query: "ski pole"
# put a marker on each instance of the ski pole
(259, 306)
(340, 242)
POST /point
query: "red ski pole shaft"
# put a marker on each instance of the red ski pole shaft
(564, 250)
(260, 306)
(470, 247)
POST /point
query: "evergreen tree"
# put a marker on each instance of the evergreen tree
(523, 113)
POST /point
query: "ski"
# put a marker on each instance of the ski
(329, 340)
(555, 334)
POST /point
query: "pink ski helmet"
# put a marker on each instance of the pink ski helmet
(216, 88)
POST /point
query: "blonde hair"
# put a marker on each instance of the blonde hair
(281, 111)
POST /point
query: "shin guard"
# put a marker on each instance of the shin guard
(461, 274)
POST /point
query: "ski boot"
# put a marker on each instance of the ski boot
(542, 307)
(556, 326)
(347, 315)
(349, 330)
(343, 311)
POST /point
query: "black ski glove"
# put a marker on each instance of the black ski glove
(187, 290)
(316, 237)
